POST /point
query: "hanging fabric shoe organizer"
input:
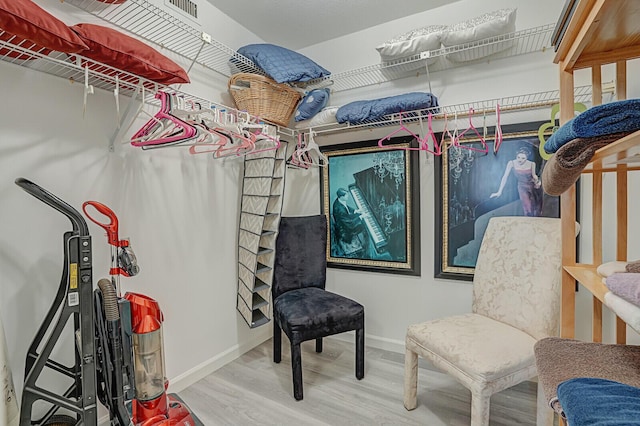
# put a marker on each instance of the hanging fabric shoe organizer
(262, 192)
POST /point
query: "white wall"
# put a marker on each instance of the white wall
(181, 211)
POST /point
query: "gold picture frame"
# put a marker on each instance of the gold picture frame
(466, 181)
(383, 185)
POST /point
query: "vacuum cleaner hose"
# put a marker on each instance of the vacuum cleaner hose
(109, 299)
(112, 316)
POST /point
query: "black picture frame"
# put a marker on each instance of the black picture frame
(386, 181)
(464, 181)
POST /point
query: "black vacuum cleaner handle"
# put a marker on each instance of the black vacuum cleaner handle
(78, 222)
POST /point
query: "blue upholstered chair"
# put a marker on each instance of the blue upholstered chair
(302, 308)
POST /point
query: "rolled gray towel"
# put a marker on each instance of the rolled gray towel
(564, 167)
(633, 266)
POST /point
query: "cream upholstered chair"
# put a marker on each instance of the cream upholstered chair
(516, 302)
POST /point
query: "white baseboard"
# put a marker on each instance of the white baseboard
(377, 342)
(202, 370)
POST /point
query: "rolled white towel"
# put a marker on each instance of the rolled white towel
(610, 268)
(624, 309)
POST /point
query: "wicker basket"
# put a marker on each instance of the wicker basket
(263, 97)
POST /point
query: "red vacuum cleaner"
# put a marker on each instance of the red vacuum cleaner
(117, 341)
(139, 336)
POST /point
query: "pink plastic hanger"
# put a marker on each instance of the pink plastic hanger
(266, 136)
(471, 127)
(401, 128)
(424, 143)
(212, 143)
(152, 125)
(208, 140)
(299, 159)
(245, 143)
(498, 132)
(304, 154)
(178, 128)
(142, 110)
(446, 133)
(208, 120)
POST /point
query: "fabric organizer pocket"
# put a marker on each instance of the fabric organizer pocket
(248, 240)
(257, 186)
(247, 258)
(255, 205)
(251, 222)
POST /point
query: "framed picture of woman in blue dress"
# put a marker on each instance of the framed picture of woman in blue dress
(472, 186)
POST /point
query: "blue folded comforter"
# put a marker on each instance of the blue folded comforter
(614, 117)
(599, 402)
(365, 111)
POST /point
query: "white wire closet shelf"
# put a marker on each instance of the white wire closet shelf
(522, 42)
(76, 69)
(158, 26)
(94, 75)
(510, 103)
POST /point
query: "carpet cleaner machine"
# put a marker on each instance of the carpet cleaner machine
(119, 358)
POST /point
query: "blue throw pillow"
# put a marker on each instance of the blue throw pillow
(312, 103)
(358, 112)
(281, 64)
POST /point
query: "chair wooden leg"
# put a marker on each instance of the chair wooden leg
(296, 368)
(360, 353)
(544, 415)
(410, 379)
(319, 345)
(480, 406)
(277, 342)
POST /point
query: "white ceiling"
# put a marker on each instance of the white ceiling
(296, 24)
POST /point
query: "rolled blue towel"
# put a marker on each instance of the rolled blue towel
(599, 402)
(600, 120)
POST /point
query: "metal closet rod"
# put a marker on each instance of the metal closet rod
(201, 103)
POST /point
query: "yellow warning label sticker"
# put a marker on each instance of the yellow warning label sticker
(73, 276)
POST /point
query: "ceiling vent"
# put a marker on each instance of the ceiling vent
(186, 6)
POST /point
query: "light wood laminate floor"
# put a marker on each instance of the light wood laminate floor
(253, 390)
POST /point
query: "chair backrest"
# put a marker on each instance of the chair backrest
(301, 254)
(518, 274)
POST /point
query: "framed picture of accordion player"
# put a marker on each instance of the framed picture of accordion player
(371, 199)
(472, 186)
